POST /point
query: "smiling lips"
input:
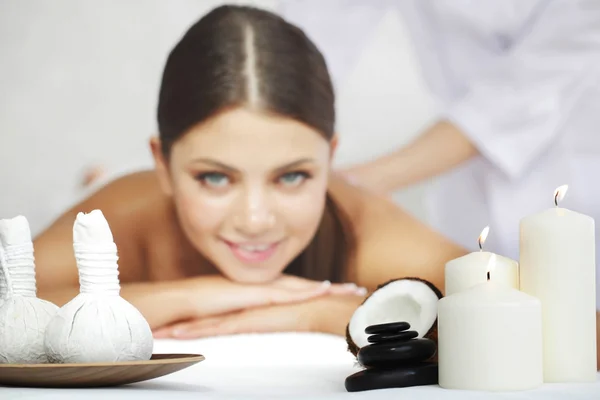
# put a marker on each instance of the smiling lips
(252, 253)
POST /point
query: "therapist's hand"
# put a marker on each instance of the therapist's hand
(328, 314)
(439, 149)
(368, 176)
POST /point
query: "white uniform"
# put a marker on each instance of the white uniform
(521, 78)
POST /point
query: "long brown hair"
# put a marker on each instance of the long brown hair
(243, 56)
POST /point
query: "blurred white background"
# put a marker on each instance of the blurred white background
(79, 83)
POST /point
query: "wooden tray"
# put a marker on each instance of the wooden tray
(96, 374)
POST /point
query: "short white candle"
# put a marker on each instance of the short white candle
(490, 339)
(470, 270)
(557, 250)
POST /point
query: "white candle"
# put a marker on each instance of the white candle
(470, 270)
(490, 339)
(557, 249)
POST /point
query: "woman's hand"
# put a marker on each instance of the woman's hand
(216, 295)
(277, 318)
(328, 314)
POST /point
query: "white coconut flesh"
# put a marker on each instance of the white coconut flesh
(405, 300)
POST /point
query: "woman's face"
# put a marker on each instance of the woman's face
(250, 190)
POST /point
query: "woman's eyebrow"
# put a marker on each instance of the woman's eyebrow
(214, 163)
(294, 164)
(229, 168)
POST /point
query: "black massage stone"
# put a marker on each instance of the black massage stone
(396, 353)
(389, 328)
(417, 374)
(396, 337)
(394, 359)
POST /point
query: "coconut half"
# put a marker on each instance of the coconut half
(411, 300)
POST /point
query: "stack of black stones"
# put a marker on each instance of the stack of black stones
(394, 358)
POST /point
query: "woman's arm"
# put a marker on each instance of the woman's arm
(328, 314)
(168, 302)
(161, 303)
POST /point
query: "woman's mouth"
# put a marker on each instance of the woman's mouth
(252, 253)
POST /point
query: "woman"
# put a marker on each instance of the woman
(242, 219)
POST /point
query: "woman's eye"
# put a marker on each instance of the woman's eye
(213, 179)
(293, 178)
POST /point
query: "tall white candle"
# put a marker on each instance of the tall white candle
(470, 270)
(490, 339)
(557, 250)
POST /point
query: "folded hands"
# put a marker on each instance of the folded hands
(287, 304)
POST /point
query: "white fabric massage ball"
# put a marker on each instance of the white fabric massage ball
(98, 325)
(23, 317)
(3, 288)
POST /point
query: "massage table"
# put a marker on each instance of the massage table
(277, 366)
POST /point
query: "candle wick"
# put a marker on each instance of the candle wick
(488, 275)
(556, 199)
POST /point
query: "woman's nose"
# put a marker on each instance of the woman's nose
(255, 218)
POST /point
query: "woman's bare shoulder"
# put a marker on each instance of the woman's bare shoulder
(133, 197)
(351, 199)
(365, 209)
(126, 194)
(131, 205)
(391, 243)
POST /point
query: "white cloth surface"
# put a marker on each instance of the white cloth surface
(277, 366)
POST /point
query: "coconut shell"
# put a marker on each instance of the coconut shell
(352, 347)
(432, 333)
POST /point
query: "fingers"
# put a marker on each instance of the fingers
(195, 329)
(286, 296)
(270, 296)
(235, 296)
(200, 329)
(167, 331)
(162, 333)
(296, 283)
(347, 289)
(195, 332)
(259, 320)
